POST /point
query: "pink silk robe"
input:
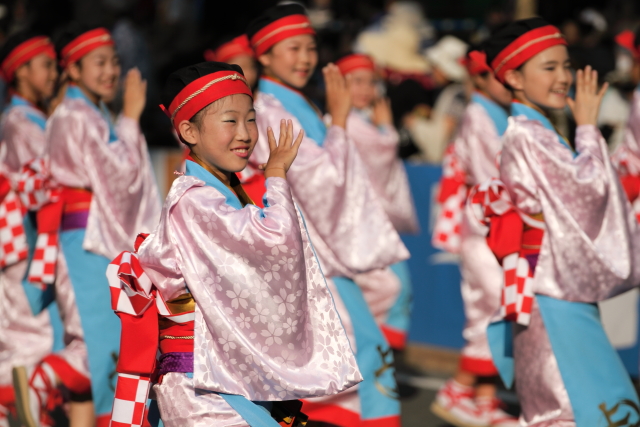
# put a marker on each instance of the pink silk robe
(125, 197)
(266, 326)
(476, 147)
(589, 251)
(24, 338)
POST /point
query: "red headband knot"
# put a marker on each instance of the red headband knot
(476, 63)
(227, 51)
(526, 47)
(627, 39)
(281, 29)
(85, 43)
(202, 92)
(24, 52)
(354, 62)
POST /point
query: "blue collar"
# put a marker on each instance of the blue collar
(519, 109)
(297, 105)
(74, 92)
(195, 170)
(497, 113)
(33, 114)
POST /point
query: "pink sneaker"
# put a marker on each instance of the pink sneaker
(493, 414)
(36, 394)
(455, 404)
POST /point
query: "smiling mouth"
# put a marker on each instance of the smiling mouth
(241, 152)
(559, 92)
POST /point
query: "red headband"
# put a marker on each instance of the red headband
(355, 62)
(24, 52)
(283, 28)
(202, 92)
(627, 39)
(85, 43)
(526, 47)
(476, 63)
(227, 51)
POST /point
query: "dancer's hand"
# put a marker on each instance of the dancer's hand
(382, 115)
(586, 106)
(135, 94)
(283, 153)
(338, 96)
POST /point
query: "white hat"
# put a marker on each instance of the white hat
(446, 55)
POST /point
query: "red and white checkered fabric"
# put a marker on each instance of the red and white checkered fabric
(492, 199)
(34, 186)
(130, 400)
(446, 231)
(13, 241)
(43, 264)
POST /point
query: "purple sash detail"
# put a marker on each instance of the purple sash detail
(533, 261)
(176, 362)
(74, 220)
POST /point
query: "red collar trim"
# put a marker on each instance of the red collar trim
(354, 62)
(526, 47)
(24, 52)
(226, 52)
(84, 44)
(476, 63)
(202, 92)
(281, 29)
(627, 40)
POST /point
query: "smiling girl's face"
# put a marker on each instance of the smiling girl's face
(97, 73)
(292, 60)
(224, 134)
(544, 80)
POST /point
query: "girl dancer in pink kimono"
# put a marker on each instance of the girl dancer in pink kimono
(349, 228)
(626, 158)
(105, 193)
(370, 127)
(566, 236)
(470, 397)
(29, 66)
(246, 317)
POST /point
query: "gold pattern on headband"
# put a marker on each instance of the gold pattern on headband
(234, 76)
(281, 29)
(24, 52)
(524, 46)
(101, 38)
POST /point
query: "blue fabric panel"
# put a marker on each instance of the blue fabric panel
(195, 170)
(400, 312)
(372, 354)
(100, 324)
(500, 337)
(497, 113)
(591, 370)
(300, 107)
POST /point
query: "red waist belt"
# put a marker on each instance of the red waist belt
(69, 211)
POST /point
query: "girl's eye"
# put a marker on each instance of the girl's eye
(229, 121)
(252, 120)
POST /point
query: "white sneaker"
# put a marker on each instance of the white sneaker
(492, 412)
(455, 404)
(36, 394)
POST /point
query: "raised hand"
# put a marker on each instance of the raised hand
(586, 106)
(338, 96)
(135, 94)
(283, 153)
(382, 115)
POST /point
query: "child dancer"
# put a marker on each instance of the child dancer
(469, 399)
(350, 231)
(236, 51)
(106, 191)
(28, 63)
(566, 237)
(626, 158)
(244, 281)
(370, 127)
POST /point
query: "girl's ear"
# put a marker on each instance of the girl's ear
(73, 71)
(514, 79)
(189, 132)
(265, 59)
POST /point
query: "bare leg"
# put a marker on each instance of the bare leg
(81, 414)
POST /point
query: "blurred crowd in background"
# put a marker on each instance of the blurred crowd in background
(418, 45)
